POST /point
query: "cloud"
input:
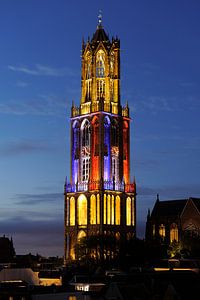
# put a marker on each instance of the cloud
(156, 104)
(42, 70)
(181, 191)
(23, 147)
(42, 236)
(21, 84)
(42, 105)
(35, 199)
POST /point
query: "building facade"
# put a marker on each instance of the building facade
(173, 220)
(99, 198)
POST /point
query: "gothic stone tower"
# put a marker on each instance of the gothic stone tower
(99, 199)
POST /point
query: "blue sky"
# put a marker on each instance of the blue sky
(40, 43)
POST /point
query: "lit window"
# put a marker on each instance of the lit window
(162, 231)
(154, 230)
(108, 209)
(72, 211)
(85, 169)
(81, 235)
(93, 209)
(117, 235)
(67, 211)
(104, 209)
(128, 211)
(85, 133)
(100, 64)
(117, 210)
(85, 151)
(112, 210)
(98, 209)
(82, 210)
(173, 233)
(133, 212)
(100, 89)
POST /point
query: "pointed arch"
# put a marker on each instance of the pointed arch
(100, 64)
(128, 211)
(81, 234)
(72, 211)
(107, 148)
(173, 232)
(85, 150)
(82, 209)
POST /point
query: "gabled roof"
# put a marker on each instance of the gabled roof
(196, 202)
(172, 207)
(168, 208)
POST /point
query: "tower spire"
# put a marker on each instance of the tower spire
(100, 19)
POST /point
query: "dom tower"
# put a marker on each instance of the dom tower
(100, 200)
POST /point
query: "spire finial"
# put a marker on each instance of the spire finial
(100, 18)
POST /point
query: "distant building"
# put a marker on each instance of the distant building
(171, 220)
(99, 198)
(7, 251)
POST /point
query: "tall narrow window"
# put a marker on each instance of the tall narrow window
(154, 230)
(104, 208)
(85, 133)
(112, 210)
(173, 232)
(133, 212)
(162, 231)
(100, 74)
(100, 64)
(117, 211)
(98, 209)
(88, 77)
(85, 150)
(108, 209)
(72, 211)
(128, 211)
(106, 148)
(82, 210)
(93, 216)
(115, 149)
(100, 89)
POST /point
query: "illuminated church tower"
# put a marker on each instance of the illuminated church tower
(99, 199)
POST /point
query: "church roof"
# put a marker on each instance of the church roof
(100, 35)
(168, 208)
(172, 207)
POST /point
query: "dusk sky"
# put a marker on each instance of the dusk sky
(40, 67)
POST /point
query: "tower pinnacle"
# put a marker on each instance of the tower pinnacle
(100, 18)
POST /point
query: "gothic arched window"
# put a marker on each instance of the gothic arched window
(85, 136)
(173, 232)
(76, 140)
(82, 210)
(162, 231)
(85, 150)
(117, 211)
(100, 64)
(72, 211)
(128, 211)
(100, 74)
(93, 210)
